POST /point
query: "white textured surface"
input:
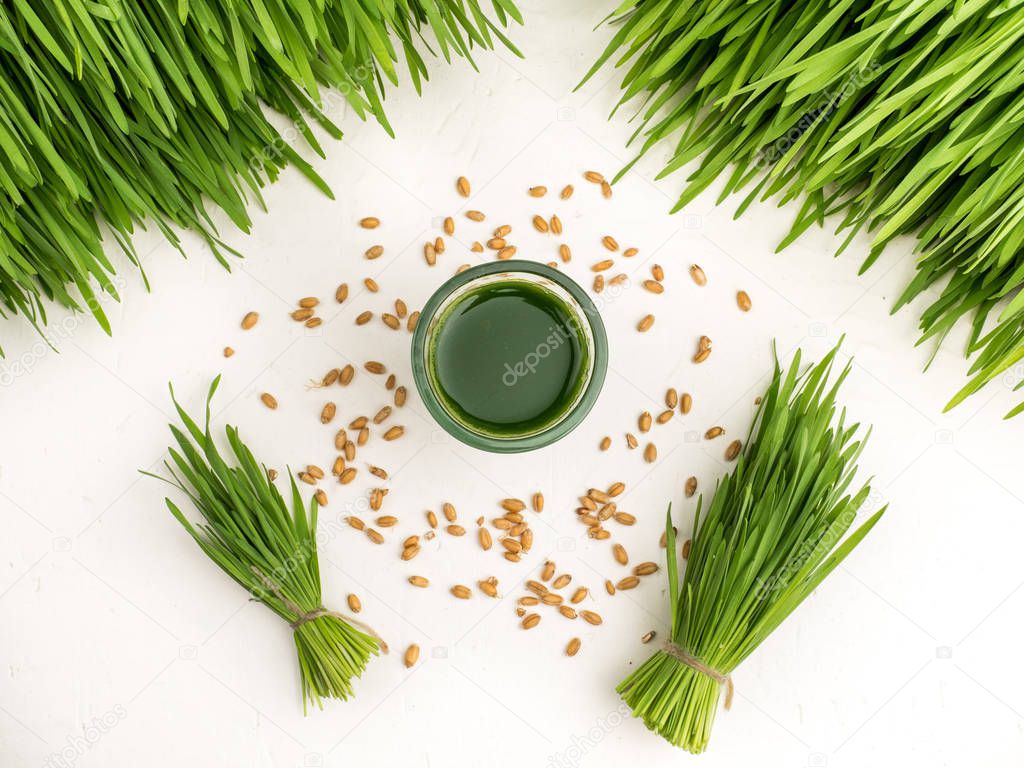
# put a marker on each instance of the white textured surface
(908, 655)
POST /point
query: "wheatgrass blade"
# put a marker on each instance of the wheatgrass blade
(249, 531)
(900, 117)
(771, 533)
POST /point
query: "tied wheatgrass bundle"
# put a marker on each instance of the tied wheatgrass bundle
(118, 114)
(899, 117)
(250, 533)
(768, 538)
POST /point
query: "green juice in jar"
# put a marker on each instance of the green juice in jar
(508, 359)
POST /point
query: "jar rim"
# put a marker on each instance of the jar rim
(574, 415)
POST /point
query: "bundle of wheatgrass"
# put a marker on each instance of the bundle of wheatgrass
(119, 113)
(767, 540)
(250, 533)
(898, 116)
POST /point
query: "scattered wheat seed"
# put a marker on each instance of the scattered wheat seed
(484, 537)
(412, 655)
(250, 319)
(301, 315)
(354, 604)
(598, 283)
(564, 253)
(375, 536)
(691, 486)
(603, 266)
(419, 581)
(653, 286)
(685, 403)
(228, 352)
(546, 573)
(269, 400)
(629, 253)
(743, 301)
(538, 191)
(313, 322)
(629, 582)
(651, 453)
(594, 177)
(374, 252)
(686, 549)
(364, 317)
(606, 443)
(733, 451)
(475, 216)
(671, 398)
(488, 586)
(400, 395)
(697, 275)
(449, 225)
(556, 225)
(513, 505)
(503, 231)
(462, 592)
(327, 413)
(439, 246)
(381, 416)
(321, 497)
(348, 475)
(507, 253)
(591, 618)
(714, 432)
(430, 254)
(645, 324)
(541, 224)
(644, 422)
(665, 416)
(463, 186)
(606, 190)
(371, 284)
(631, 441)
(562, 581)
(370, 222)
(610, 243)
(619, 552)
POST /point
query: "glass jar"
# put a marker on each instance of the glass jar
(441, 365)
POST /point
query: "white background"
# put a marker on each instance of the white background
(908, 655)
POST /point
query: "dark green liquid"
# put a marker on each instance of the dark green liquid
(508, 359)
